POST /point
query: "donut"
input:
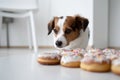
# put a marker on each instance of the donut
(49, 58)
(66, 52)
(115, 68)
(111, 53)
(71, 60)
(75, 51)
(95, 51)
(79, 51)
(95, 62)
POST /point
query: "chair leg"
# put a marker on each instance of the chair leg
(0, 28)
(0, 22)
(29, 34)
(33, 32)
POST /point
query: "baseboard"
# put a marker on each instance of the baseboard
(46, 47)
(26, 47)
(113, 47)
(42, 47)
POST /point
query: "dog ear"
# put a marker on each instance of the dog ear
(85, 23)
(51, 26)
(81, 22)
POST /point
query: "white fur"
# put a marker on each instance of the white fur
(60, 34)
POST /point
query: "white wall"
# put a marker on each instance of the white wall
(114, 23)
(100, 22)
(71, 7)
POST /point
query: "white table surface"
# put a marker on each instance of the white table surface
(25, 67)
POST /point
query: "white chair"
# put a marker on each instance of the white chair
(21, 9)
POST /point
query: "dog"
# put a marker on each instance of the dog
(70, 32)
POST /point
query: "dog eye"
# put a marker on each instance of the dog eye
(55, 31)
(68, 31)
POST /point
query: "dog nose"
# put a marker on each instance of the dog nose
(58, 43)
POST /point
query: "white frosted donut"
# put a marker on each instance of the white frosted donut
(95, 51)
(71, 60)
(66, 52)
(50, 58)
(49, 55)
(79, 51)
(95, 63)
(111, 53)
(116, 66)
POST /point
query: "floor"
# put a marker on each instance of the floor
(21, 64)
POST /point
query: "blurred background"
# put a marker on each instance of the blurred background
(103, 16)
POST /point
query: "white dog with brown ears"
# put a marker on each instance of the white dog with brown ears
(70, 32)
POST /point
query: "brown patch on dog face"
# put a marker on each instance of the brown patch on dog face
(72, 35)
(69, 32)
(81, 22)
(56, 27)
(73, 25)
(52, 25)
(56, 30)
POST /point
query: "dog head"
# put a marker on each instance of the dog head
(66, 29)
